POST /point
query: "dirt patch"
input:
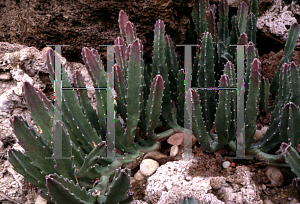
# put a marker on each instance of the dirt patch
(270, 62)
(139, 188)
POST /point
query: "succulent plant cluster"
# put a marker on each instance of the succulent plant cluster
(83, 178)
(164, 63)
(286, 106)
(153, 95)
(133, 78)
(285, 111)
(243, 25)
(86, 176)
(217, 48)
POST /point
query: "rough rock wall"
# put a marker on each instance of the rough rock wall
(19, 63)
(89, 23)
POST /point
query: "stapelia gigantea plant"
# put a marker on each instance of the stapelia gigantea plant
(75, 180)
(292, 158)
(212, 54)
(203, 18)
(266, 89)
(161, 53)
(204, 67)
(84, 129)
(243, 24)
(289, 84)
(284, 120)
(165, 63)
(225, 132)
(85, 178)
(285, 115)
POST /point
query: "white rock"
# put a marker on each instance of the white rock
(264, 129)
(226, 164)
(18, 147)
(138, 176)
(40, 200)
(188, 178)
(174, 151)
(276, 18)
(258, 135)
(148, 167)
(5, 76)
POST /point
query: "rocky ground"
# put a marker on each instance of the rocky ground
(14, 189)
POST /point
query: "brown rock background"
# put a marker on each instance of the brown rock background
(89, 23)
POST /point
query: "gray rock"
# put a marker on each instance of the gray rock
(275, 20)
(28, 64)
(169, 184)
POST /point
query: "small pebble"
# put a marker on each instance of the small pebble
(148, 167)
(264, 129)
(138, 176)
(188, 178)
(174, 151)
(226, 164)
(232, 164)
(258, 135)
